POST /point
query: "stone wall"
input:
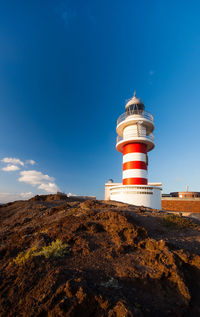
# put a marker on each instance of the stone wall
(189, 205)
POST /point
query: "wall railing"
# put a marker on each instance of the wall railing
(137, 137)
(135, 113)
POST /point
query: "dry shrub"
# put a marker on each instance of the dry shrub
(24, 256)
(55, 249)
(175, 221)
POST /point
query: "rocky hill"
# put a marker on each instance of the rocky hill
(62, 257)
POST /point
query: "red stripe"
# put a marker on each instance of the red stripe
(135, 147)
(135, 181)
(134, 164)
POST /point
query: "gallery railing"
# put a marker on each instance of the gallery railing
(139, 113)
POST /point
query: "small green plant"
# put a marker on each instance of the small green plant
(55, 249)
(44, 231)
(24, 256)
(175, 221)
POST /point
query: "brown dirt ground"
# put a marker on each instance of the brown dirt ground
(121, 261)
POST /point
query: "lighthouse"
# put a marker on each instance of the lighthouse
(135, 139)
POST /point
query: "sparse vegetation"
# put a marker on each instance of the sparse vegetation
(175, 221)
(44, 231)
(24, 256)
(55, 249)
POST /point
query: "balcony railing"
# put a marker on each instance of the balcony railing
(150, 137)
(143, 114)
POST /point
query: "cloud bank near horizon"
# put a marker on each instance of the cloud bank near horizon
(33, 177)
(9, 197)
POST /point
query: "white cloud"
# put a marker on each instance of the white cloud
(36, 178)
(11, 160)
(9, 197)
(10, 168)
(33, 177)
(26, 195)
(14, 164)
(49, 187)
(31, 162)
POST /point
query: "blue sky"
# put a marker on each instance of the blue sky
(66, 71)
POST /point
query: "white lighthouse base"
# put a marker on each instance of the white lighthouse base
(139, 195)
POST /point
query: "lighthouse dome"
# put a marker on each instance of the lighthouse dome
(134, 105)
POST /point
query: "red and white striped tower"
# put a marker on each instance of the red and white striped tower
(134, 164)
(135, 139)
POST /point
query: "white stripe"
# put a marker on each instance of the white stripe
(134, 157)
(134, 173)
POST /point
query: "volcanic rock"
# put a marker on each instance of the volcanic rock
(66, 257)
